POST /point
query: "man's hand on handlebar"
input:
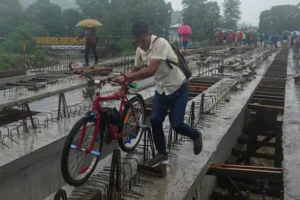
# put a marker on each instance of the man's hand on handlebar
(121, 80)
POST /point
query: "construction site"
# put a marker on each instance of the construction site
(245, 100)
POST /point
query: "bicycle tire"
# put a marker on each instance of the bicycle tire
(127, 107)
(66, 150)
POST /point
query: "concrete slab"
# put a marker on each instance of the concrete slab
(33, 166)
(35, 162)
(290, 134)
(64, 85)
(16, 79)
(186, 171)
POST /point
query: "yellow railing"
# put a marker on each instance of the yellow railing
(59, 40)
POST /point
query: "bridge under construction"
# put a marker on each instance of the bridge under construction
(245, 100)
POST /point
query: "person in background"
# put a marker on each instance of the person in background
(291, 39)
(233, 38)
(237, 37)
(244, 38)
(262, 36)
(251, 40)
(266, 39)
(229, 38)
(91, 40)
(280, 38)
(247, 42)
(285, 39)
(185, 41)
(241, 38)
(172, 88)
(224, 38)
(256, 39)
(220, 38)
(275, 40)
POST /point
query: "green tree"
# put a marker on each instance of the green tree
(279, 18)
(92, 8)
(11, 15)
(202, 16)
(71, 17)
(213, 19)
(21, 34)
(158, 19)
(193, 13)
(232, 13)
(48, 15)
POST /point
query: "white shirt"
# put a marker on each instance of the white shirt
(167, 80)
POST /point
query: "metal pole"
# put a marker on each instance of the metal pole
(24, 53)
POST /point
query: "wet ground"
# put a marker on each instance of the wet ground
(56, 131)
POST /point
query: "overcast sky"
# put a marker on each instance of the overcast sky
(250, 8)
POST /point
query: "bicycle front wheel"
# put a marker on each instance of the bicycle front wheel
(133, 115)
(77, 165)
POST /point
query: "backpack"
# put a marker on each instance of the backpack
(182, 64)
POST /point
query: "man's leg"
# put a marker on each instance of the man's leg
(87, 52)
(94, 49)
(158, 114)
(178, 102)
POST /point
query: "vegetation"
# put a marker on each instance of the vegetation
(280, 18)
(207, 11)
(59, 17)
(232, 13)
(11, 50)
(45, 18)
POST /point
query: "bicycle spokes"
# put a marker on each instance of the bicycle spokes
(82, 158)
(131, 123)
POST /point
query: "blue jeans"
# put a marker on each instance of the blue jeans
(176, 102)
(185, 43)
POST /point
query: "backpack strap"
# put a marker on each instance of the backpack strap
(170, 62)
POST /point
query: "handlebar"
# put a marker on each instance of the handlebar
(82, 74)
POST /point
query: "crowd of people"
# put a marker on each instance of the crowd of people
(251, 38)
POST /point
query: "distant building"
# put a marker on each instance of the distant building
(173, 35)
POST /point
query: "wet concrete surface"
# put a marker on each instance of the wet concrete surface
(64, 84)
(43, 138)
(290, 135)
(186, 170)
(33, 165)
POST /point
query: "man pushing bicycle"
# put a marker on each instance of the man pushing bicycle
(172, 88)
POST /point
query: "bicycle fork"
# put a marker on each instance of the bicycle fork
(93, 141)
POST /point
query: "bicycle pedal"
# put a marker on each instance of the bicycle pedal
(95, 153)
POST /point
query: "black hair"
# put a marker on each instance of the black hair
(139, 28)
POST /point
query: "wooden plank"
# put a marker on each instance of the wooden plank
(271, 97)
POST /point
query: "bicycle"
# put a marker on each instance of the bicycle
(106, 124)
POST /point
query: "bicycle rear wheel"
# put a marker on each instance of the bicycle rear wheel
(76, 165)
(133, 114)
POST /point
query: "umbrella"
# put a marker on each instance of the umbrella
(252, 31)
(218, 29)
(297, 33)
(184, 30)
(224, 30)
(89, 23)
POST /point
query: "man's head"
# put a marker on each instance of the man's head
(141, 35)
